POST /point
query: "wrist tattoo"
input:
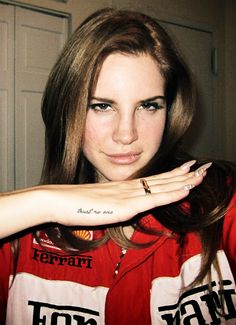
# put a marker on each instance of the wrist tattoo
(89, 211)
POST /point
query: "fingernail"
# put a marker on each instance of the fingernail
(188, 187)
(202, 169)
(188, 164)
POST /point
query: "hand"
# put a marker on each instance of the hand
(94, 204)
(114, 202)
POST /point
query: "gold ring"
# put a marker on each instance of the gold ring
(145, 186)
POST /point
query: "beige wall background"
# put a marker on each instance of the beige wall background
(219, 16)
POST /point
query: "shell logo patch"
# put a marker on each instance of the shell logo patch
(84, 234)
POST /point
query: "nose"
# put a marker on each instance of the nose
(125, 130)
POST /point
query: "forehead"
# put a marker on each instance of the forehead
(129, 73)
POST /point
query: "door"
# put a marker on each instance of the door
(196, 46)
(39, 37)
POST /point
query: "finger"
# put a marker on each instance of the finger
(178, 172)
(179, 178)
(192, 179)
(144, 203)
(181, 170)
(129, 190)
(174, 186)
(167, 188)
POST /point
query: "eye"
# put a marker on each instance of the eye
(100, 107)
(151, 106)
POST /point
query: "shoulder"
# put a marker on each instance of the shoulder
(230, 216)
(6, 265)
(5, 257)
(9, 250)
(228, 235)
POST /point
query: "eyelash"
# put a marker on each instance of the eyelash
(100, 107)
(148, 106)
(151, 106)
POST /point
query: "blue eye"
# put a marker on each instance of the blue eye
(151, 106)
(100, 107)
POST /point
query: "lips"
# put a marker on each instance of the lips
(123, 158)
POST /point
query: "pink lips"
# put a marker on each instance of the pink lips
(124, 158)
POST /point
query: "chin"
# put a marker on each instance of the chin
(117, 177)
(116, 173)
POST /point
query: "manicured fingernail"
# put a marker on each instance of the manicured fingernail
(188, 187)
(188, 164)
(202, 169)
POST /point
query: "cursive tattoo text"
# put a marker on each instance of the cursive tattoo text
(89, 211)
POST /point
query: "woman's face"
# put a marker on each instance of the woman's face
(126, 116)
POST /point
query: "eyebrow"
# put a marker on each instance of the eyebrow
(152, 99)
(110, 101)
(103, 99)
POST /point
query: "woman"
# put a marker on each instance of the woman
(141, 237)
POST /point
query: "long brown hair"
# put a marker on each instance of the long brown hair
(66, 99)
(74, 77)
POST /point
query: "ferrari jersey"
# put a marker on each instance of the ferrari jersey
(110, 286)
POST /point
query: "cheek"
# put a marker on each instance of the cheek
(152, 133)
(90, 134)
(95, 133)
(91, 128)
(91, 140)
